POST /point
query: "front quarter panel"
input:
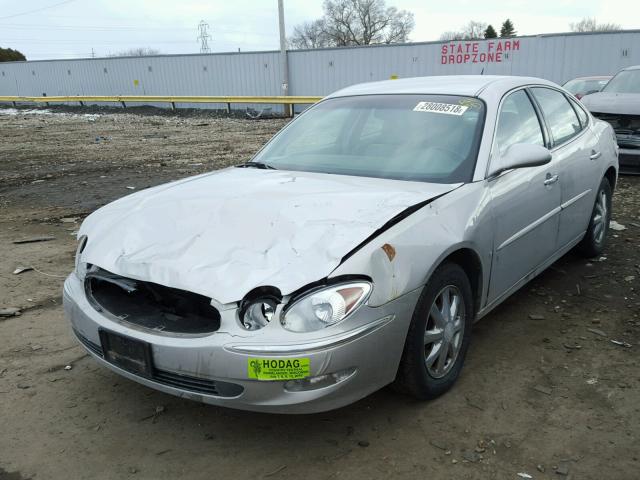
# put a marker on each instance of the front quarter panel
(607, 144)
(403, 258)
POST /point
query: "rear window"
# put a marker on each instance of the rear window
(585, 86)
(431, 138)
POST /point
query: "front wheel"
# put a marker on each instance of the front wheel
(595, 239)
(438, 336)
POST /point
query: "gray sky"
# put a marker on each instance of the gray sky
(72, 28)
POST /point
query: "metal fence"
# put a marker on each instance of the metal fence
(319, 72)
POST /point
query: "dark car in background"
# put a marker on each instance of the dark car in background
(582, 86)
(619, 104)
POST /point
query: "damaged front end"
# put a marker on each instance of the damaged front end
(171, 312)
(149, 305)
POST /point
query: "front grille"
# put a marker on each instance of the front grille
(627, 128)
(177, 380)
(150, 305)
(629, 164)
(92, 347)
(199, 385)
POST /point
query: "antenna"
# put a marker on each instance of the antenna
(204, 37)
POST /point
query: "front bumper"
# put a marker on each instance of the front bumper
(214, 368)
(629, 160)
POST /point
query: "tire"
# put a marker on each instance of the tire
(415, 376)
(595, 239)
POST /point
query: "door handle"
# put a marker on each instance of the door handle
(595, 155)
(551, 179)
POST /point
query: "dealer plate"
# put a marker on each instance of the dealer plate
(128, 353)
(278, 368)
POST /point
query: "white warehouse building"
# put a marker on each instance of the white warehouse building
(557, 57)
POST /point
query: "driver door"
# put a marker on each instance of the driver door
(525, 202)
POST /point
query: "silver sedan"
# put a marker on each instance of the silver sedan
(355, 250)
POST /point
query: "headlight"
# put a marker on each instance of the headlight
(258, 313)
(81, 267)
(325, 307)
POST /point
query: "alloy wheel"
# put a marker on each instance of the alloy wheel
(600, 217)
(444, 331)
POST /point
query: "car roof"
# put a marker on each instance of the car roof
(633, 67)
(468, 85)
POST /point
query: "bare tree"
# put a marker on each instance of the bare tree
(354, 22)
(400, 26)
(451, 35)
(590, 25)
(310, 35)
(473, 30)
(136, 52)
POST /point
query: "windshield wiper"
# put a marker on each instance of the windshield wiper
(261, 165)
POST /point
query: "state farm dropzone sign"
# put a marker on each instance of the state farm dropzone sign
(491, 51)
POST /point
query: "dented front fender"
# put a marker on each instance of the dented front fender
(403, 257)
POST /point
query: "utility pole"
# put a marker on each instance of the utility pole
(204, 37)
(283, 56)
(93, 53)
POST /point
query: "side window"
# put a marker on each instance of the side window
(582, 115)
(561, 118)
(518, 122)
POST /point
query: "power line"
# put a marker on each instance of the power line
(103, 42)
(20, 26)
(204, 37)
(37, 9)
(132, 28)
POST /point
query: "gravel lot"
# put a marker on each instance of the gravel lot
(545, 391)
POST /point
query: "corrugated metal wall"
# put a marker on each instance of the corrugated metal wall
(218, 74)
(319, 72)
(558, 58)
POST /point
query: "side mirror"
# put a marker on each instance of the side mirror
(520, 155)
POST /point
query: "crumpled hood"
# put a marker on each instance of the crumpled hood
(604, 102)
(224, 233)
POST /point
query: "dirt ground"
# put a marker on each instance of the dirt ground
(544, 392)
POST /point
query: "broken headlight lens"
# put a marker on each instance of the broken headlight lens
(258, 313)
(81, 267)
(325, 307)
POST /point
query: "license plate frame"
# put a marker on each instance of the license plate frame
(127, 353)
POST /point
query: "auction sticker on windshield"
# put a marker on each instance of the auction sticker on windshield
(278, 368)
(435, 107)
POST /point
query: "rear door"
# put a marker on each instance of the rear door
(525, 201)
(576, 154)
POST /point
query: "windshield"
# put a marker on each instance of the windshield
(583, 86)
(431, 138)
(626, 81)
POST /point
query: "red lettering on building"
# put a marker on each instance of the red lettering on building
(477, 52)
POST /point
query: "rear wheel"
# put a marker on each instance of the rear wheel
(595, 239)
(438, 336)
